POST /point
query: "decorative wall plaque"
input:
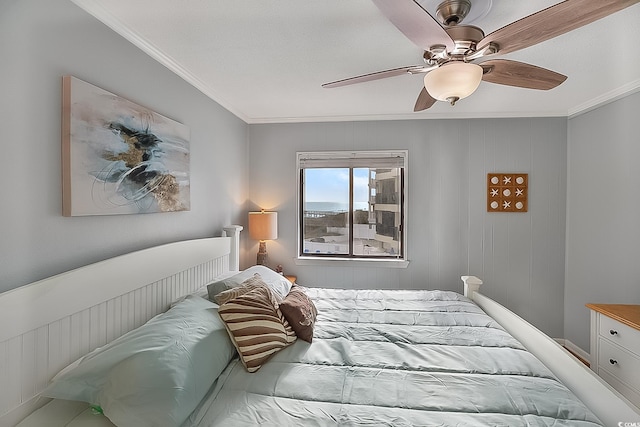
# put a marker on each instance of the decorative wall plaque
(507, 192)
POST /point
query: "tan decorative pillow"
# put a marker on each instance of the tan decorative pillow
(257, 327)
(246, 286)
(300, 311)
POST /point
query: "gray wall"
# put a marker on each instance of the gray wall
(603, 206)
(520, 256)
(40, 41)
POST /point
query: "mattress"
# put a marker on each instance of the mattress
(390, 358)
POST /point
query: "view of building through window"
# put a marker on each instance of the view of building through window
(352, 211)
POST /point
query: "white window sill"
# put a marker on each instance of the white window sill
(348, 262)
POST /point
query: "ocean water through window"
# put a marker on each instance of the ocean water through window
(351, 205)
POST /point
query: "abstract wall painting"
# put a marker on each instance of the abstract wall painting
(119, 157)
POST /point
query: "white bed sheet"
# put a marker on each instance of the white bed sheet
(65, 413)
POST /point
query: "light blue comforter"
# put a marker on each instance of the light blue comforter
(395, 358)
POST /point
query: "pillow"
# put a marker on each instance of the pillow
(277, 282)
(256, 326)
(300, 312)
(249, 284)
(154, 375)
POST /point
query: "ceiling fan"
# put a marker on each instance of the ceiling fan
(452, 50)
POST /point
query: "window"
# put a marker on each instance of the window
(351, 205)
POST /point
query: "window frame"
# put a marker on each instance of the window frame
(351, 160)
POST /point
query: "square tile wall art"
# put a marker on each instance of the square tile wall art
(507, 192)
(119, 157)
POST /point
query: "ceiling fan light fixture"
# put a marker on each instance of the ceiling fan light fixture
(453, 81)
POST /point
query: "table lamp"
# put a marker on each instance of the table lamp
(263, 226)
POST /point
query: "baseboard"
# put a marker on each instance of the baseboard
(577, 351)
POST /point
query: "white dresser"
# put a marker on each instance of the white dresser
(615, 347)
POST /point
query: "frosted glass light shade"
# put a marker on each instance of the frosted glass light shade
(263, 225)
(453, 81)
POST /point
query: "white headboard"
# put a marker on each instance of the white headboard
(48, 324)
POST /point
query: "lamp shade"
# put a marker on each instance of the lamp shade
(263, 225)
(453, 81)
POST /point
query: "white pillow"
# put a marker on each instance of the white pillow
(276, 282)
(156, 374)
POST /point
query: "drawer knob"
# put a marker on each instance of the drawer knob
(613, 361)
(613, 332)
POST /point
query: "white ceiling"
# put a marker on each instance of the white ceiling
(265, 60)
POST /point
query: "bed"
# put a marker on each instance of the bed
(376, 357)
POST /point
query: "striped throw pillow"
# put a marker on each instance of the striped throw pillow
(251, 283)
(256, 326)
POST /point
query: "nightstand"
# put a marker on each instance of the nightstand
(292, 279)
(615, 347)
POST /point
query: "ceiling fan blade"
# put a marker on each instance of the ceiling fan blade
(373, 76)
(514, 73)
(424, 101)
(415, 23)
(552, 22)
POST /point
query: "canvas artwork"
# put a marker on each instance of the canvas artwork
(119, 157)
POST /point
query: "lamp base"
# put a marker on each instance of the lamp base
(261, 259)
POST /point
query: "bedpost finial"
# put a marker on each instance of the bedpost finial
(233, 231)
(471, 285)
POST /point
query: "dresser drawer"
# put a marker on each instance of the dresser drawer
(632, 395)
(623, 335)
(620, 363)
